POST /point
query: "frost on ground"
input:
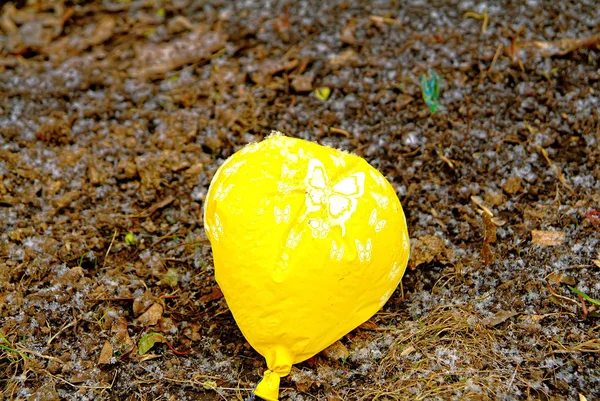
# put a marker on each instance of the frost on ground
(99, 139)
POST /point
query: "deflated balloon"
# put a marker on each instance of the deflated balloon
(308, 242)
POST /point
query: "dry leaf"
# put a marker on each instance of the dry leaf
(106, 354)
(489, 236)
(215, 293)
(408, 350)
(156, 59)
(560, 47)
(369, 325)
(303, 83)
(152, 315)
(142, 303)
(547, 238)
(121, 335)
(428, 248)
(498, 318)
(513, 185)
(337, 351)
(561, 278)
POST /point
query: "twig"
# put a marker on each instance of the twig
(73, 323)
(560, 296)
(340, 131)
(556, 170)
(496, 55)
(110, 246)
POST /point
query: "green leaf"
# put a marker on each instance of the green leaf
(130, 239)
(585, 296)
(323, 93)
(147, 341)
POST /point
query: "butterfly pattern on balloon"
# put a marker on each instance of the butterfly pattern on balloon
(337, 251)
(365, 250)
(293, 239)
(282, 215)
(375, 222)
(384, 298)
(319, 227)
(395, 271)
(222, 191)
(338, 199)
(335, 201)
(215, 230)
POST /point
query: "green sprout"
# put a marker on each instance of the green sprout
(130, 239)
(585, 296)
(430, 87)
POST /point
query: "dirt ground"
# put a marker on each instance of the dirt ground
(115, 114)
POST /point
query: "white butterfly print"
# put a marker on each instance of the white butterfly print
(338, 160)
(293, 239)
(339, 200)
(364, 250)
(286, 172)
(284, 188)
(405, 243)
(384, 298)
(250, 148)
(375, 222)
(287, 155)
(337, 252)
(379, 179)
(217, 230)
(222, 191)
(319, 228)
(282, 215)
(233, 168)
(382, 200)
(394, 271)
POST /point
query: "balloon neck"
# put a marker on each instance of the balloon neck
(279, 362)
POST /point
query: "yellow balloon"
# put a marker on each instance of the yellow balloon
(308, 242)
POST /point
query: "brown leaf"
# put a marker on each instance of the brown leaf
(106, 354)
(103, 31)
(513, 185)
(486, 254)
(489, 228)
(561, 278)
(121, 336)
(192, 332)
(303, 83)
(65, 200)
(214, 294)
(337, 351)
(142, 303)
(161, 204)
(498, 318)
(157, 59)
(560, 47)
(369, 325)
(428, 248)
(403, 100)
(547, 238)
(152, 315)
(346, 57)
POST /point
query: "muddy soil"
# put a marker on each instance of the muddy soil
(114, 116)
